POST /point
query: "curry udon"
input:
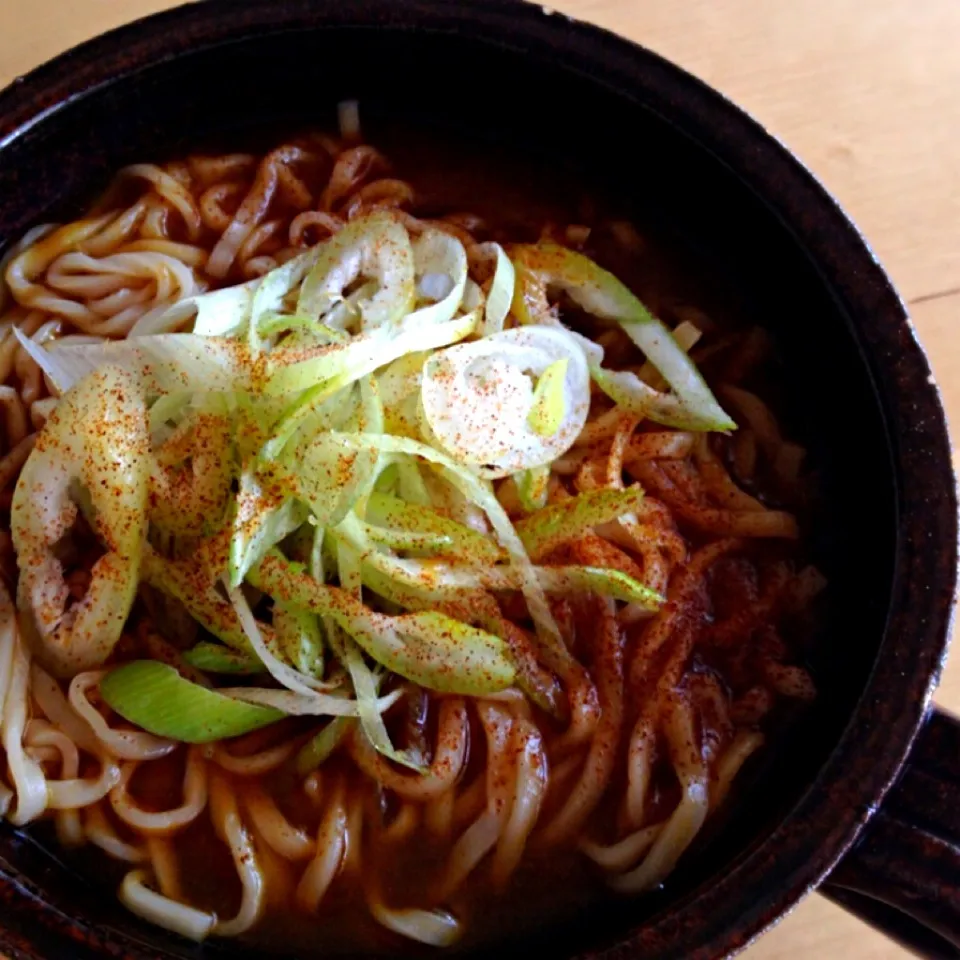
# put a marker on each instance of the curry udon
(369, 545)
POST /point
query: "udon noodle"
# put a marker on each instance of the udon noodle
(614, 745)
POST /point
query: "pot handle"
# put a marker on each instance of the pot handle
(903, 874)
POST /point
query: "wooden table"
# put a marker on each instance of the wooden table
(867, 94)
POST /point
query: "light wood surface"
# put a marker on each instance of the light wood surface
(867, 94)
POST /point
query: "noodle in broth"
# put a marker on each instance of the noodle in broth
(643, 716)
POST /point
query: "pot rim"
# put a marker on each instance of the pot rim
(869, 755)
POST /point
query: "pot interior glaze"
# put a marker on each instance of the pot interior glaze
(572, 96)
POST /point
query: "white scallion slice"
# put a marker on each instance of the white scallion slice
(478, 399)
(501, 292)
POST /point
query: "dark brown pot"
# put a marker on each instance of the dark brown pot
(864, 795)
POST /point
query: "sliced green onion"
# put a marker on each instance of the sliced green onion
(261, 520)
(436, 252)
(545, 265)
(311, 412)
(501, 292)
(334, 704)
(370, 418)
(433, 650)
(168, 409)
(451, 538)
(628, 391)
(324, 475)
(272, 290)
(186, 581)
(166, 362)
(549, 404)
(271, 324)
(479, 608)
(480, 494)
(302, 696)
(441, 581)
(300, 638)
(404, 595)
(411, 485)
(219, 313)
(192, 475)
(365, 685)
(154, 697)
(345, 314)
(605, 581)
(348, 569)
(224, 312)
(399, 385)
(375, 246)
(533, 487)
(317, 567)
(477, 398)
(408, 540)
(319, 749)
(389, 480)
(253, 422)
(329, 369)
(687, 336)
(452, 656)
(97, 439)
(401, 378)
(559, 523)
(216, 658)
